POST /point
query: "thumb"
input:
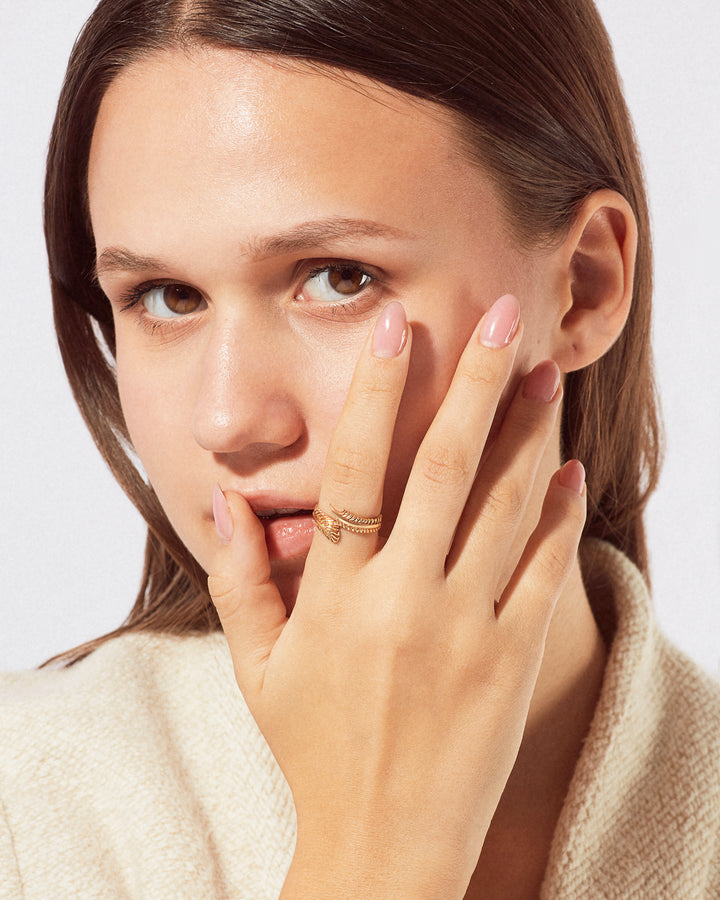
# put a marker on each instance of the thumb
(248, 603)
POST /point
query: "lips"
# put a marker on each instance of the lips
(286, 520)
(288, 531)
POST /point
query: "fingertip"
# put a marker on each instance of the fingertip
(572, 476)
(543, 382)
(391, 331)
(235, 521)
(501, 323)
(222, 515)
(239, 574)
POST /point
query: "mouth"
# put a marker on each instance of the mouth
(289, 531)
(281, 513)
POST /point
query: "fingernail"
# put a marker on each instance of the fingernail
(390, 332)
(221, 514)
(572, 476)
(542, 383)
(501, 322)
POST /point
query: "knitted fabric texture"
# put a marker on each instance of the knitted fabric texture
(139, 773)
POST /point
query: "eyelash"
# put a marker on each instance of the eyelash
(349, 305)
(133, 298)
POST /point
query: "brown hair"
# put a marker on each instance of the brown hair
(537, 93)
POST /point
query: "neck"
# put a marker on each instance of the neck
(517, 847)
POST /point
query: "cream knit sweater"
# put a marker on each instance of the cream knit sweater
(139, 773)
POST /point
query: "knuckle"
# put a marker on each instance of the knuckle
(446, 466)
(224, 595)
(349, 466)
(376, 389)
(405, 640)
(402, 638)
(570, 515)
(553, 563)
(531, 424)
(578, 516)
(481, 375)
(505, 499)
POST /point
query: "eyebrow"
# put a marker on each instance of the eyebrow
(118, 259)
(311, 234)
(304, 236)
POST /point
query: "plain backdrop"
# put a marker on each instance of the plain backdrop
(72, 544)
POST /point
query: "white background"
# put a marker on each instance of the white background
(72, 544)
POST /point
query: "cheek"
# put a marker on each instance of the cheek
(155, 417)
(436, 349)
(134, 402)
(325, 379)
(137, 405)
(155, 409)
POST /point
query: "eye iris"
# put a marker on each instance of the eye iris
(346, 279)
(181, 299)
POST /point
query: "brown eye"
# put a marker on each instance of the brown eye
(333, 283)
(346, 279)
(167, 301)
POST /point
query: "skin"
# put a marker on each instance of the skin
(198, 160)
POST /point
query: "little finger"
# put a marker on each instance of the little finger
(528, 602)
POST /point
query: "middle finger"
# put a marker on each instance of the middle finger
(446, 462)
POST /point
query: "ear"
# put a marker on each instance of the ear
(596, 265)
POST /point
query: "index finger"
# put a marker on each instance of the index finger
(359, 450)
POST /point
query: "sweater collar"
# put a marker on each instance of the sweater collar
(615, 753)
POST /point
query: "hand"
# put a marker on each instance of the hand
(395, 697)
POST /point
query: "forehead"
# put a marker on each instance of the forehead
(240, 92)
(193, 138)
(258, 111)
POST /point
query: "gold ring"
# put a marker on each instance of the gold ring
(331, 526)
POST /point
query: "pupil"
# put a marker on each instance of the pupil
(181, 299)
(346, 280)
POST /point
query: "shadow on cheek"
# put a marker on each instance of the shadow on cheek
(425, 390)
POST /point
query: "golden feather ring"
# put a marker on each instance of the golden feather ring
(332, 525)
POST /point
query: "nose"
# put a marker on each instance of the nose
(249, 391)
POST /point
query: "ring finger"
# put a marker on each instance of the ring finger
(499, 497)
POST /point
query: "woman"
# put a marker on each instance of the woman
(242, 201)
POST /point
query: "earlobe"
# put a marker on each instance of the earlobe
(598, 262)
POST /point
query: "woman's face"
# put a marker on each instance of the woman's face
(252, 219)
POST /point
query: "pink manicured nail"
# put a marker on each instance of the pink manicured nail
(542, 383)
(501, 322)
(221, 514)
(390, 331)
(572, 476)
